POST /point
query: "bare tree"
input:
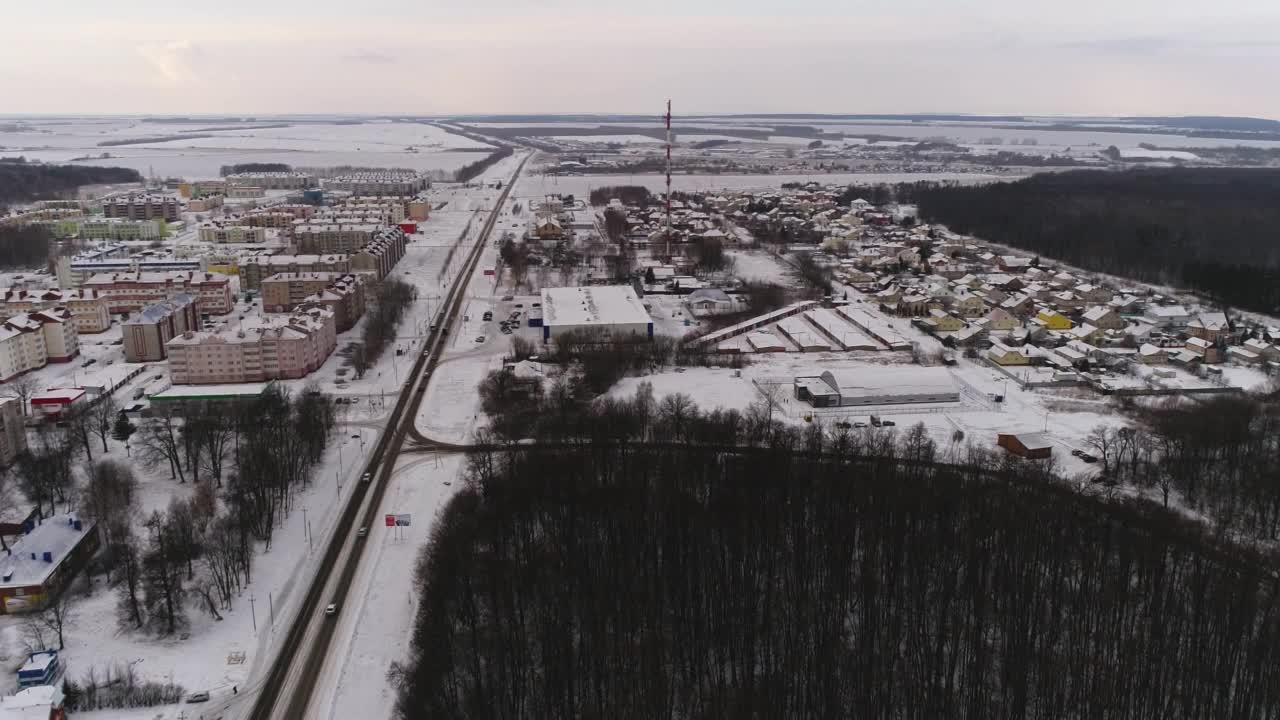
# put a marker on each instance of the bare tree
(160, 442)
(22, 387)
(105, 412)
(57, 614)
(110, 498)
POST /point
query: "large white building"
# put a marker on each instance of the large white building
(613, 310)
(893, 385)
(31, 341)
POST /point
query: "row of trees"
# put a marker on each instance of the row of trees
(390, 298)
(823, 575)
(22, 181)
(473, 170)
(1207, 229)
(24, 246)
(256, 167)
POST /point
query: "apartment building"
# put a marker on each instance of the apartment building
(406, 207)
(119, 229)
(142, 207)
(32, 340)
(146, 333)
(343, 294)
(279, 217)
(90, 312)
(256, 268)
(130, 292)
(273, 180)
(221, 232)
(379, 183)
(206, 203)
(13, 433)
(202, 188)
(268, 349)
(320, 237)
(382, 253)
(73, 272)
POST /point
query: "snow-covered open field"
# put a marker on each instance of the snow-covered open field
(314, 144)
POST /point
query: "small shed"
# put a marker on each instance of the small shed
(1033, 446)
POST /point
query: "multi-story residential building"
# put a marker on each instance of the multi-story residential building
(90, 312)
(271, 349)
(219, 232)
(381, 254)
(256, 268)
(142, 207)
(202, 188)
(319, 237)
(379, 183)
(243, 192)
(13, 433)
(130, 292)
(119, 229)
(274, 180)
(205, 204)
(33, 340)
(146, 333)
(73, 273)
(280, 217)
(343, 294)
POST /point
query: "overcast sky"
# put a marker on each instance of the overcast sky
(1086, 57)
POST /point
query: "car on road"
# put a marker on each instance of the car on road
(1089, 458)
(508, 298)
(367, 477)
(1077, 453)
(362, 532)
(480, 339)
(887, 423)
(487, 316)
(198, 697)
(331, 610)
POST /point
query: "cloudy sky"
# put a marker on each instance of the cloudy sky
(1086, 57)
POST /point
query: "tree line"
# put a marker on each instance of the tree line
(1206, 229)
(475, 169)
(22, 181)
(819, 574)
(389, 298)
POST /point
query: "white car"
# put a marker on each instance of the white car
(331, 610)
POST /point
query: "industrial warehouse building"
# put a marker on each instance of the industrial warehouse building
(877, 386)
(613, 310)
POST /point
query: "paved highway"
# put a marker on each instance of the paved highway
(287, 690)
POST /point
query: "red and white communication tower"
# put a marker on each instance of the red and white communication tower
(668, 253)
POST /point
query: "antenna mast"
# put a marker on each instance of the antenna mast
(668, 180)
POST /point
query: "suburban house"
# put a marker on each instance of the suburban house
(941, 321)
(1209, 326)
(1167, 315)
(41, 702)
(1001, 320)
(1052, 320)
(1002, 354)
(1101, 316)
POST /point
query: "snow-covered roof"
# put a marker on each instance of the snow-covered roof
(33, 703)
(899, 380)
(57, 536)
(597, 305)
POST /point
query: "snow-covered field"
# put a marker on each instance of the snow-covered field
(376, 144)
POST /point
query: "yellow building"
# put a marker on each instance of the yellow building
(1054, 320)
(1002, 354)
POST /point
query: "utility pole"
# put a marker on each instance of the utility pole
(272, 605)
(668, 254)
(253, 614)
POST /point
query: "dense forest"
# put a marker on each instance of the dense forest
(24, 246)
(1216, 231)
(821, 575)
(22, 181)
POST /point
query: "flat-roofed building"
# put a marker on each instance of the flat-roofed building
(44, 561)
(343, 294)
(877, 386)
(613, 311)
(30, 341)
(221, 232)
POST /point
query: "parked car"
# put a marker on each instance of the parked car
(1088, 458)
(887, 423)
(480, 339)
(198, 697)
(1077, 452)
(487, 316)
